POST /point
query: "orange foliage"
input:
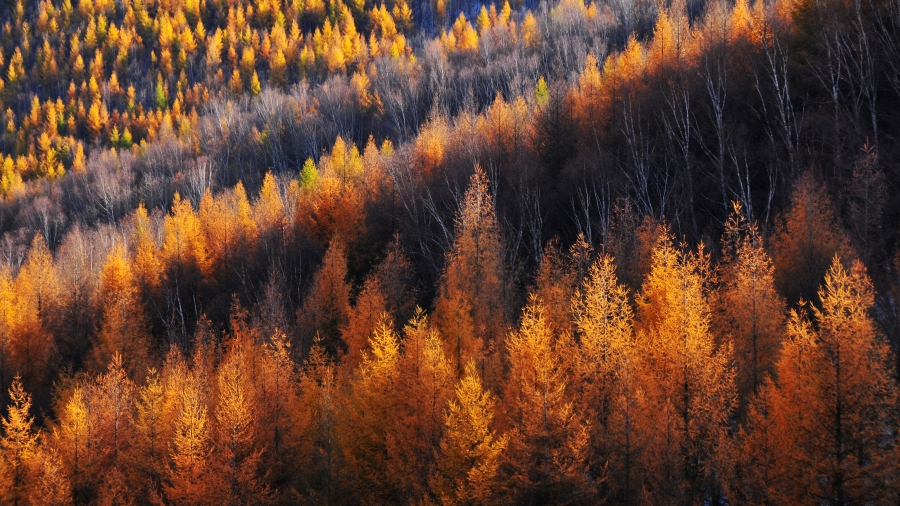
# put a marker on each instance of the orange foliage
(806, 239)
(470, 310)
(470, 450)
(817, 430)
(184, 244)
(123, 328)
(36, 294)
(424, 386)
(748, 312)
(324, 313)
(548, 443)
(691, 388)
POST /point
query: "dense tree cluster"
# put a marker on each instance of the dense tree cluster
(299, 251)
(700, 385)
(117, 73)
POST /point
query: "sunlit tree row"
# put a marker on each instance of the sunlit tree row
(700, 385)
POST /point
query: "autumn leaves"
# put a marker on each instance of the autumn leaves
(122, 74)
(695, 385)
(705, 391)
(819, 432)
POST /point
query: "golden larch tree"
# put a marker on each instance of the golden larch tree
(471, 311)
(591, 111)
(231, 233)
(693, 393)
(370, 415)
(269, 215)
(37, 293)
(362, 319)
(184, 259)
(424, 385)
(831, 405)
(559, 276)
(114, 399)
(385, 290)
(324, 312)
(7, 320)
(152, 418)
(607, 381)
(237, 453)
(217, 223)
(146, 262)
(321, 432)
(757, 451)
(190, 476)
(18, 446)
(631, 241)
(747, 310)
(52, 485)
(278, 409)
(470, 453)
(73, 435)
(124, 326)
(547, 457)
(806, 239)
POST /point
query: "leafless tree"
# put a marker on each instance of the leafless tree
(112, 180)
(714, 74)
(782, 119)
(860, 54)
(400, 96)
(650, 188)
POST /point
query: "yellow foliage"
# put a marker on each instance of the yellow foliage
(483, 22)
(237, 87)
(248, 61)
(95, 122)
(146, 254)
(255, 86)
(466, 36)
(184, 242)
(470, 450)
(335, 60)
(530, 33)
(430, 144)
(269, 209)
(10, 179)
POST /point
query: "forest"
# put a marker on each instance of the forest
(445, 252)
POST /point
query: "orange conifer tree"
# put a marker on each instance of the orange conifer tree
(558, 278)
(608, 384)
(371, 414)
(184, 260)
(830, 406)
(37, 291)
(114, 400)
(547, 453)
(191, 478)
(805, 241)
(424, 385)
(693, 385)
(748, 311)
(324, 313)
(385, 290)
(72, 437)
(471, 308)
(123, 328)
(152, 418)
(18, 446)
(321, 432)
(470, 451)
(238, 454)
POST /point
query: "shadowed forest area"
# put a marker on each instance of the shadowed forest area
(440, 252)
